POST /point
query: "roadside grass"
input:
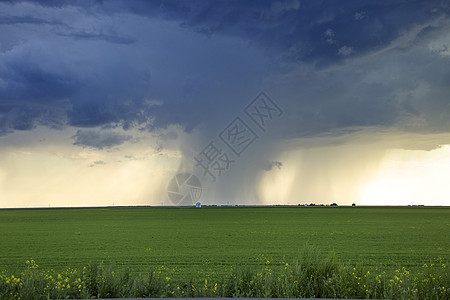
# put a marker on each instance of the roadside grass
(311, 275)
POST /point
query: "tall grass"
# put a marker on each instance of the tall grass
(311, 275)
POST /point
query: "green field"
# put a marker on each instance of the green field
(214, 239)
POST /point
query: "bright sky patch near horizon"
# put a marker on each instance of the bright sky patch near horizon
(102, 103)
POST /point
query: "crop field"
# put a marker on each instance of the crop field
(285, 252)
(214, 239)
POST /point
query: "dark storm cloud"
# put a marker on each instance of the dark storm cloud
(26, 116)
(98, 36)
(103, 63)
(99, 139)
(26, 19)
(297, 30)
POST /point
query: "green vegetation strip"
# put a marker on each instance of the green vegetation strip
(310, 276)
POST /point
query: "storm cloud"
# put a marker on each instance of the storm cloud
(88, 64)
(111, 74)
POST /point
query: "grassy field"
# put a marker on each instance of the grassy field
(285, 252)
(215, 239)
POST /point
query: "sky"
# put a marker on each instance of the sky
(264, 102)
